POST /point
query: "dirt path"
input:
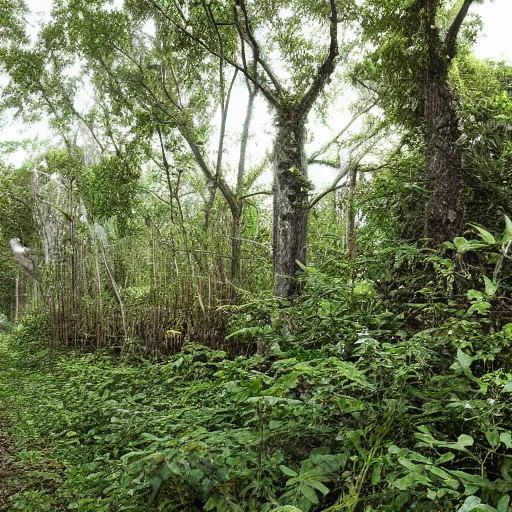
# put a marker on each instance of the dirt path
(8, 467)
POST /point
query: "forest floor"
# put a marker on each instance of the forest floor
(24, 461)
(202, 432)
(8, 468)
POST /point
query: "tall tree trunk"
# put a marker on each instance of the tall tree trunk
(291, 187)
(445, 207)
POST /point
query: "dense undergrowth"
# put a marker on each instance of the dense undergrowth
(385, 387)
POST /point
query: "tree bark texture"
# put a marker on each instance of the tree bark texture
(445, 207)
(291, 187)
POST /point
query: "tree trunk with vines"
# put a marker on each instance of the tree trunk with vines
(291, 187)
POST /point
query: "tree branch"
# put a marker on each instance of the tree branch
(325, 192)
(453, 31)
(265, 91)
(327, 163)
(352, 163)
(325, 147)
(254, 44)
(154, 194)
(223, 186)
(327, 68)
(262, 193)
(245, 138)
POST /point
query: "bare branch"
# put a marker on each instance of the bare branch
(154, 194)
(351, 165)
(325, 147)
(245, 138)
(327, 163)
(254, 44)
(223, 186)
(262, 193)
(326, 192)
(264, 89)
(220, 150)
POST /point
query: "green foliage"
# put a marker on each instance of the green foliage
(358, 406)
(383, 386)
(487, 108)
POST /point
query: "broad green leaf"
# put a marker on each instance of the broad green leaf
(309, 270)
(465, 361)
(479, 307)
(155, 482)
(409, 465)
(469, 478)
(431, 495)
(465, 440)
(507, 235)
(445, 458)
(319, 486)
(411, 480)
(441, 473)
(442, 492)
(288, 471)
(393, 449)
(469, 504)
(493, 437)
(309, 493)
(507, 330)
(490, 287)
(486, 236)
(506, 439)
(376, 473)
(507, 388)
(196, 476)
(445, 246)
(503, 503)
(474, 295)
(461, 244)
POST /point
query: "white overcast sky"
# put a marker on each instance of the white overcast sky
(495, 43)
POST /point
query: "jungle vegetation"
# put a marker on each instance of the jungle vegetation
(257, 259)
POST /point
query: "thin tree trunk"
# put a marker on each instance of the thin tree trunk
(245, 139)
(237, 209)
(351, 215)
(236, 244)
(117, 293)
(100, 329)
(291, 204)
(17, 298)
